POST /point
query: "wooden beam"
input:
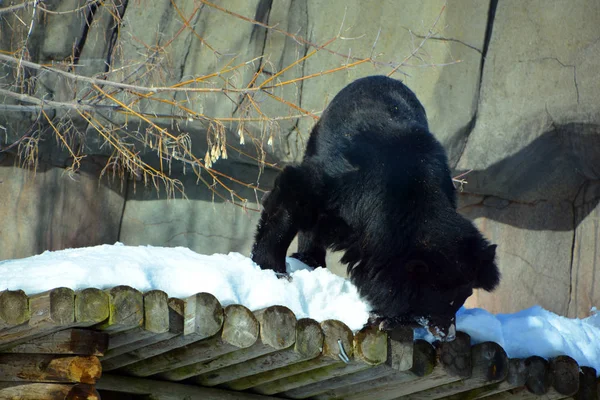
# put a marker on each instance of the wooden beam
(155, 321)
(91, 307)
(369, 348)
(426, 372)
(455, 356)
(47, 391)
(240, 330)
(161, 322)
(161, 390)
(565, 375)
(332, 332)
(14, 308)
(365, 343)
(48, 312)
(49, 368)
(523, 394)
(489, 365)
(588, 384)
(69, 341)
(308, 345)
(202, 317)
(126, 310)
(517, 375)
(278, 331)
(539, 378)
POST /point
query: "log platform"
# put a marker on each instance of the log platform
(123, 344)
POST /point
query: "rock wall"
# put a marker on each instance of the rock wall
(511, 89)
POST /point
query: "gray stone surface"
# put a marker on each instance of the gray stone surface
(536, 133)
(204, 223)
(534, 263)
(52, 210)
(397, 29)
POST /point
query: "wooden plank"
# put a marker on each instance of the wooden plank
(126, 310)
(202, 316)
(14, 308)
(91, 307)
(369, 348)
(489, 365)
(47, 391)
(49, 368)
(69, 341)
(161, 390)
(278, 327)
(240, 330)
(330, 354)
(49, 312)
(399, 347)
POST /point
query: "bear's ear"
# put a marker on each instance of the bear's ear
(488, 276)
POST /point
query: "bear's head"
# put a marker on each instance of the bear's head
(430, 279)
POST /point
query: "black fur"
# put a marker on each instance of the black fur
(375, 184)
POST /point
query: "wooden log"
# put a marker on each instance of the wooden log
(49, 368)
(369, 348)
(539, 378)
(452, 360)
(455, 356)
(397, 350)
(155, 330)
(330, 354)
(489, 365)
(588, 385)
(308, 344)
(425, 373)
(202, 316)
(126, 310)
(162, 390)
(517, 375)
(14, 308)
(565, 375)
(369, 381)
(522, 393)
(155, 321)
(400, 349)
(91, 307)
(49, 312)
(240, 330)
(47, 391)
(69, 341)
(278, 328)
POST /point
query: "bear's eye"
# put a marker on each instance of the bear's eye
(416, 267)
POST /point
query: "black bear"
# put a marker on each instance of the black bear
(375, 184)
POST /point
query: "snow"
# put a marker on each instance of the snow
(318, 294)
